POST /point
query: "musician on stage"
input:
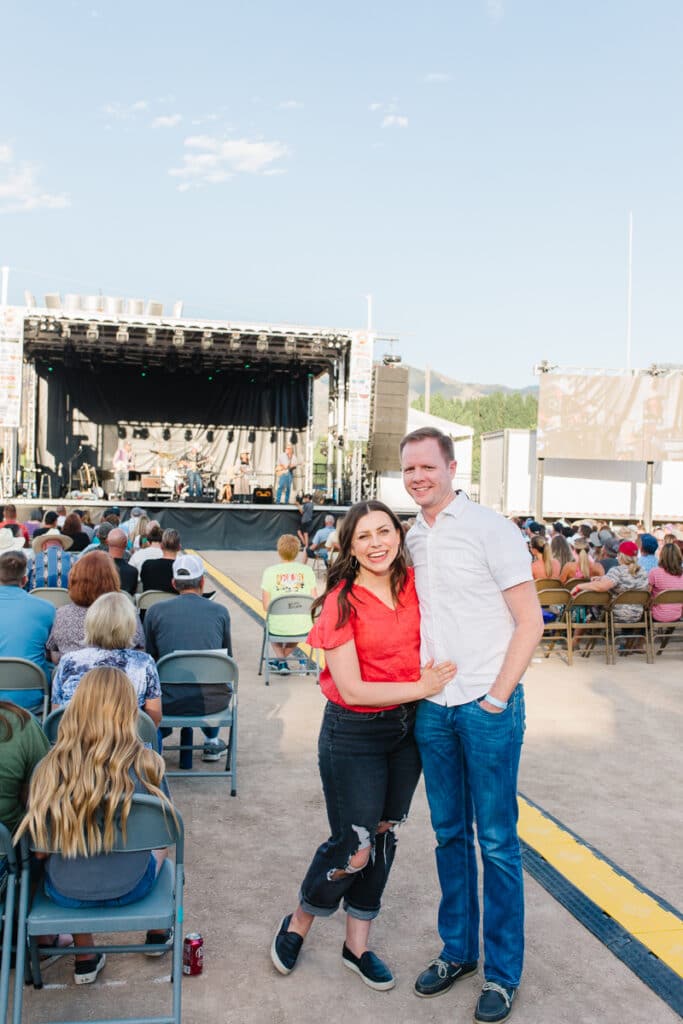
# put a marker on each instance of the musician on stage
(194, 462)
(122, 463)
(241, 478)
(286, 463)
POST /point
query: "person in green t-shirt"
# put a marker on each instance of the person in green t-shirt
(288, 578)
(22, 745)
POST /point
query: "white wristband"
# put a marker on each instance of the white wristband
(502, 704)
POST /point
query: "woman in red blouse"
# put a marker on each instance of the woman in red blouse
(369, 628)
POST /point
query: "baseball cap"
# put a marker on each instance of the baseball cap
(137, 511)
(627, 547)
(648, 543)
(612, 545)
(188, 567)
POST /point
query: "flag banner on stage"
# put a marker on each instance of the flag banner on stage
(633, 417)
(360, 386)
(11, 360)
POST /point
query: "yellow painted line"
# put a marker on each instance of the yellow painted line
(658, 929)
(242, 595)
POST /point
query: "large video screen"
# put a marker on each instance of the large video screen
(637, 418)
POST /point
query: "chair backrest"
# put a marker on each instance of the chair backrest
(150, 826)
(546, 582)
(198, 667)
(639, 597)
(147, 730)
(554, 595)
(668, 597)
(22, 674)
(57, 596)
(147, 598)
(586, 598)
(7, 848)
(293, 604)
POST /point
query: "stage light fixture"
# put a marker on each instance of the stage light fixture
(207, 340)
(293, 437)
(316, 345)
(123, 433)
(188, 435)
(231, 436)
(123, 334)
(166, 434)
(179, 338)
(262, 343)
(92, 333)
(290, 345)
(340, 441)
(144, 433)
(210, 436)
(251, 437)
(235, 342)
(151, 336)
(66, 331)
(273, 437)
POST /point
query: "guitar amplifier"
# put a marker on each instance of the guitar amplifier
(150, 483)
(262, 496)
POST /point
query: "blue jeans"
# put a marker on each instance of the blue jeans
(136, 893)
(284, 485)
(186, 740)
(194, 483)
(369, 766)
(470, 758)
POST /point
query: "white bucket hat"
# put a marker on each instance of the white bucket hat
(8, 542)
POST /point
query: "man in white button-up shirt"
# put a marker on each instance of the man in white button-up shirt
(479, 609)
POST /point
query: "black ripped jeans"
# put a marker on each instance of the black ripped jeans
(369, 766)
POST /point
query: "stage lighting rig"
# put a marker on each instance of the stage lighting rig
(188, 435)
(235, 341)
(262, 343)
(207, 340)
(122, 335)
(251, 437)
(151, 336)
(92, 333)
(290, 345)
(166, 434)
(179, 338)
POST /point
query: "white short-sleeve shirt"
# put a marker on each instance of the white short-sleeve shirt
(463, 563)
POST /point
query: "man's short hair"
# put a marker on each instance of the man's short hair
(10, 511)
(155, 534)
(170, 540)
(431, 434)
(329, 520)
(288, 547)
(12, 568)
(50, 518)
(103, 531)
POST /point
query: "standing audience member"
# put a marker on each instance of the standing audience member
(478, 607)
(543, 565)
(157, 573)
(10, 519)
(648, 551)
(73, 528)
(80, 792)
(151, 549)
(116, 545)
(289, 578)
(110, 626)
(305, 507)
(94, 574)
(190, 623)
(25, 624)
(667, 576)
(51, 562)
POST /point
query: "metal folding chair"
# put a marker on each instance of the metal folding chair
(203, 673)
(22, 674)
(147, 730)
(665, 632)
(57, 596)
(280, 606)
(556, 599)
(148, 598)
(150, 826)
(638, 629)
(14, 882)
(594, 629)
(547, 583)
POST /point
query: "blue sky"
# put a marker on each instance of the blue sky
(470, 163)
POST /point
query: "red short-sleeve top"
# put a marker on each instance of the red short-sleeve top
(387, 639)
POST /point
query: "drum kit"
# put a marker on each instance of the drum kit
(173, 473)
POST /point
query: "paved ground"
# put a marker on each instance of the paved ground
(602, 754)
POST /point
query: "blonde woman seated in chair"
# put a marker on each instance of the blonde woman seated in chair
(288, 578)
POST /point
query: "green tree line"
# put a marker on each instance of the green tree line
(485, 413)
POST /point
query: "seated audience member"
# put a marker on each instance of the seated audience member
(190, 623)
(25, 624)
(137, 535)
(110, 626)
(10, 519)
(94, 574)
(77, 792)
(86, 524)
(560, 549)
(535, 529)
(73, 528)
(49, 523)
(584, 567)
(116, 546)
(22, 745)
(543, 566)
(667, 576)
(33, 524)
(51, 562)
(130, 525)
(157, 574)
(317, 545)
(610, 550)
(151, 549)
(61, 516)
(99, 539)
(288, 578)
(648, 551)
(628, 575)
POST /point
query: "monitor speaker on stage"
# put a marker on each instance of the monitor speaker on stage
(262, 496)
(389, 417)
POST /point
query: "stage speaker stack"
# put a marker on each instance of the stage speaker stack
(262, 496)
(388, 417)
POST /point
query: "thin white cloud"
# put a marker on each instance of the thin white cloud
(434, 77)
(167, 121)
(20, 190)
(395, 121)
(125, 111)
(211, 161)
(290, 105)
(495, 9)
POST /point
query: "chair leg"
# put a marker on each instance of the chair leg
(570, 652)
(177, 954)
(263, 648)
(35, 962)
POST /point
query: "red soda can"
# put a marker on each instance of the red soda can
(193, 954)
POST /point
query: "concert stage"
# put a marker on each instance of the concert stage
(212, 527)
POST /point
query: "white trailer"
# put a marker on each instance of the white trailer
(512, 479)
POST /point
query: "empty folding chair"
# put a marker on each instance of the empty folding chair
(57, 596)
(21, 674)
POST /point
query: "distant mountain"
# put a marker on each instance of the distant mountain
(450, 388)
